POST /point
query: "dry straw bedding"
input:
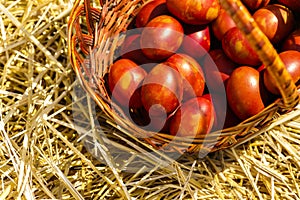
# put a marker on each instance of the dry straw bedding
(45, 120)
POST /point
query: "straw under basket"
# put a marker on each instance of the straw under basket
(91, 27)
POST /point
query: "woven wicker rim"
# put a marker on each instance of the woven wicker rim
(89, 30)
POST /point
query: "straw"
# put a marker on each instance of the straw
(56, 144)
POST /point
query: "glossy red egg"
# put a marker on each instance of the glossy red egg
(194, 117)
(161, 37)
(292, 42)
(253, 5)
(238, 49)
(162, 90)
(222, 24)
(196, 41)
(131, 49)
(209, 97)
(291, 59)
(196, 12)
(149, 11)
(135, 101)
(124, 78)
(217, 68)
(275, 21)
(243, 91)
(191, 72)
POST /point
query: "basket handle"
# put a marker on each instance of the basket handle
(265, 50)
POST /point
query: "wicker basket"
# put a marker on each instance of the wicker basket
(91, 27)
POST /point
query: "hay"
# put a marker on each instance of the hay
(52, 147)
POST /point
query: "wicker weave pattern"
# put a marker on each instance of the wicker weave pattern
(93, 35)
